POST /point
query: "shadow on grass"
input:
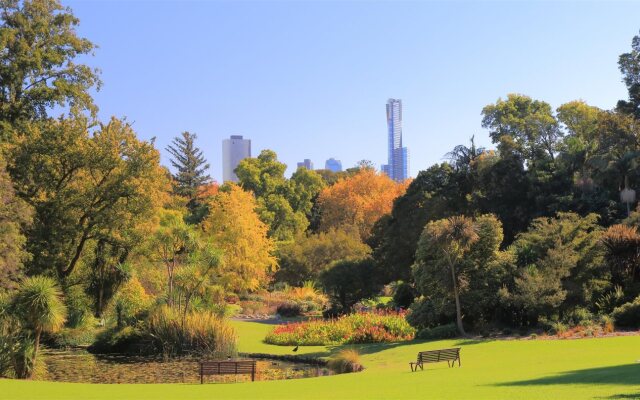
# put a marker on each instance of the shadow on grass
(622, 396)
(372, 348)
(628, 374)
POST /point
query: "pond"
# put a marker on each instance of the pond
(78, 365)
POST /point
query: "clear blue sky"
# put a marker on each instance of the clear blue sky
(310, 79)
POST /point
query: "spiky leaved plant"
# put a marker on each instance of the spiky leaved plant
(39, 304)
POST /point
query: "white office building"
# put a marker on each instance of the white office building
(234, 150)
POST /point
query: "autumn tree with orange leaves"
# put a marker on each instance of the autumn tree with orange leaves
(358, 200)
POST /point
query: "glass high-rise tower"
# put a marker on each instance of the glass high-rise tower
(397, 167)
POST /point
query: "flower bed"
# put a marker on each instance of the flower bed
(371, 327)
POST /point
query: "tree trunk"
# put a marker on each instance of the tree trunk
(36, 347)
(457, 297)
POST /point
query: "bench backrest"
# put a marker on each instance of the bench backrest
(439, 355)
(227, 367)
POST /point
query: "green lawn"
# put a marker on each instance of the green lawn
(575, 369)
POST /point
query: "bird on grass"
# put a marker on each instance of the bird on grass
(295, 349)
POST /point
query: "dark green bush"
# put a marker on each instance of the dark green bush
(289, 309)
(422, 315)
(404, 295)
(628, 315)
(124, 340)
(439, 332)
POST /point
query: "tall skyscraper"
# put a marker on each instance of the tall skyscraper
(333, 165)
(234, 150)
(397, 167)
(306, 164)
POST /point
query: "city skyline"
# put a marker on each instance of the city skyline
(325, 84)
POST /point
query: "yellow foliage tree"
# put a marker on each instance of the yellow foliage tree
(235, 227)
(358, 200)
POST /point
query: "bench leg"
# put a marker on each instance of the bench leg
(459, 361)
(411, 366)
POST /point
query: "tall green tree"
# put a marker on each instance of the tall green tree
(15, 215)
(459, 267)
(629, 64)
(38, 68)
(530, 123)
(558, 267)
(283, 211)
(83, 187)
(434, 194)
(444, 244)
(191, 170)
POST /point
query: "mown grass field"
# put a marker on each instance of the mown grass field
(522, 369)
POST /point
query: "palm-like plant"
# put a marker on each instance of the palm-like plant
(38, 303)
(454, 237)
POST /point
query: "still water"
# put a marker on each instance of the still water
(82, 366)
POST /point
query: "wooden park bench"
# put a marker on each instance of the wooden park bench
(227, 367)
(434, 356)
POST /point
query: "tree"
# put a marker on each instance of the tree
(445, 243)
(622, 245)
(530, 123)
(191, 170)
(37, 63)
(84, 187)
(235, 228)
(480, 270)
(348, 282)
(629, 64)
(433, 194)
(262, 175)
(170, 245)
(15, 214)
(197, 274)
(581, 122)
(109, 270)
(38, 303)
(304, 187)
(305, 258)
(558, 267)
(284, 212)
(358, 201)
(130, 301)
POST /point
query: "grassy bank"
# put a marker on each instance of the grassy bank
(576, 369)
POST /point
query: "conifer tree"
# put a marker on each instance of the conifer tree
(191, 169)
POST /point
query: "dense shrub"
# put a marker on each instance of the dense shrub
(423, 314)
(348, 282)
(439, 332)
(404, 295)
(628, 315)
(353, 328)
(130, 302)
(122, 340)
(198, 333)
(347, 360)
(579, 316)
(289, 309)
(79, 308)
(72, 337)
